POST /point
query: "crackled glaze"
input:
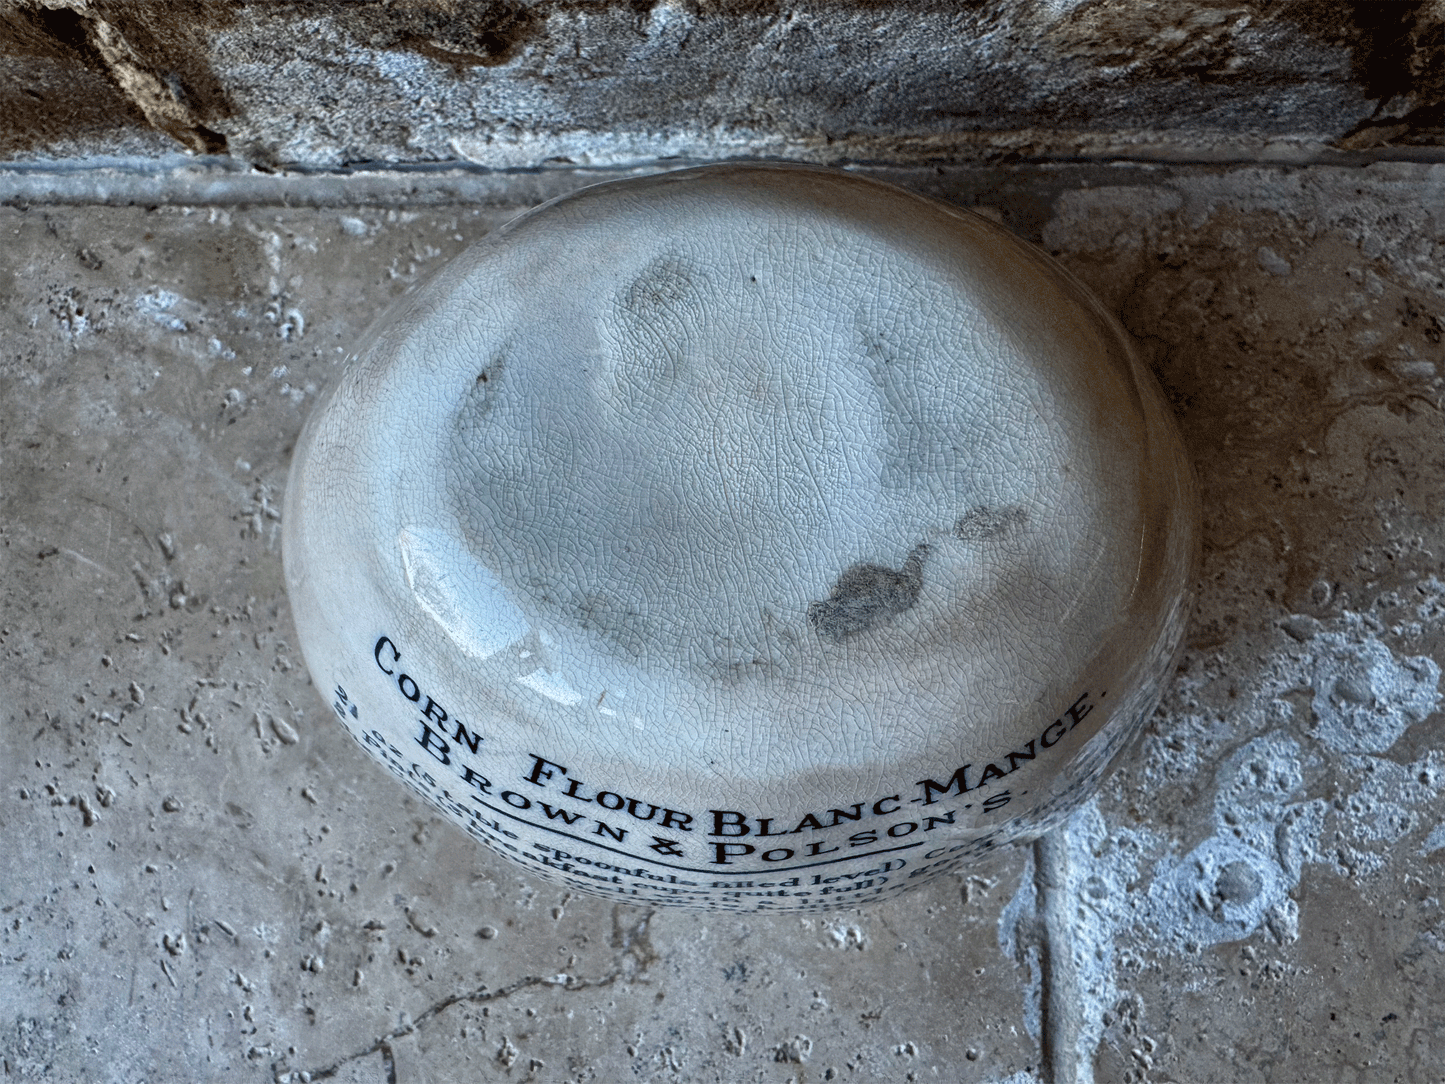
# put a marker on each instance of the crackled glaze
(745, 537)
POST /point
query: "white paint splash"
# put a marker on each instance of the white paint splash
(167, 308)
(1239, 879)
(1137, 889)
(1364, 698)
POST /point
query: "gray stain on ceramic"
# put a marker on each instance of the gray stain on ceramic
(866, 594)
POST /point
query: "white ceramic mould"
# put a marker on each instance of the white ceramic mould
(746, 538)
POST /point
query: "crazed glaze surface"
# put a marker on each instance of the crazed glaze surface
(744, 537)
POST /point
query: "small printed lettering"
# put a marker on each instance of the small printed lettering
(796, 847)
(388, 658)
(553, 814)
(958, 782)
(544, 770)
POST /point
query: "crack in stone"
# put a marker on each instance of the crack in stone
(632, 941)
(480, 995)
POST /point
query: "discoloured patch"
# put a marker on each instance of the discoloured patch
(651, 320)
(981, 524)
(159, 63)
(45, 32)
(55, 87)
(487, 385)
(1204, 42)
(1397, 57)
(867, 594)
(484, 36)
(661, 286)
(1396, 53)
(602, 615)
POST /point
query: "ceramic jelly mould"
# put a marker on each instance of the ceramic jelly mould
(746, 538)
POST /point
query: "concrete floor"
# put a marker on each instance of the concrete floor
(205, 879)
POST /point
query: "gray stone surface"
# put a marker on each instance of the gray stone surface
(206, 880)
(509, 83)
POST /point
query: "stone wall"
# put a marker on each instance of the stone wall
(508, 84)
